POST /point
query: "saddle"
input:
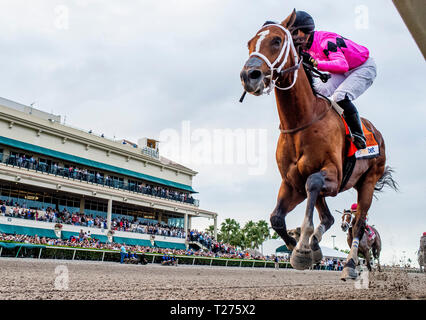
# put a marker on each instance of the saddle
(370, 232)
(352, 152)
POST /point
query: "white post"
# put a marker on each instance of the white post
(185, 226)
(109, 214)
(215, 227)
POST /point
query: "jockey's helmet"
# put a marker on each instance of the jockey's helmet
(354, 206)
(304, 22)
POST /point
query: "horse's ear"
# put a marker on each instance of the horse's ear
(288, 22)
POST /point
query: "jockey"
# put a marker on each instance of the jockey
(353, 209)
(351, 68)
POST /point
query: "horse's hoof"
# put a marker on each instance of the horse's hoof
(301, 259)
(349, 273)
(316, 256)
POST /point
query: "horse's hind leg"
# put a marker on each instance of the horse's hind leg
(368, 259)
(327, 221)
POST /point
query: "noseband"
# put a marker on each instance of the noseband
(285, 50)
(345, 223)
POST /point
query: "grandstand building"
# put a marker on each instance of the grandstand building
(45, 164)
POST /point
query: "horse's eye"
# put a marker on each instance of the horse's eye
(276, 42)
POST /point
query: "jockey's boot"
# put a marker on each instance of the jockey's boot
(353, 120)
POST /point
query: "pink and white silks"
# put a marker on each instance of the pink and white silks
(350, 65)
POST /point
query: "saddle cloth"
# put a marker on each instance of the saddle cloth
(353, 153)
(372, 149)
(370, 232)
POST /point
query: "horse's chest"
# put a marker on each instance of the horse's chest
(290, 172)
(294, 164)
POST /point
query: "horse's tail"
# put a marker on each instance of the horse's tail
(386, 180)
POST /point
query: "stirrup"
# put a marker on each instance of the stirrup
(359, 141)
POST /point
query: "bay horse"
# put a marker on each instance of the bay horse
(365, 244)
(311, 147)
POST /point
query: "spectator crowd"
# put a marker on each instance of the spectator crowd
(83, 174)
(80, 219)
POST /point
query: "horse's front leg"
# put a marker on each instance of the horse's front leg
(321, 183)
(327, 220)
(287, 200)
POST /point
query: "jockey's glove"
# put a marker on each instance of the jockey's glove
(307, 58)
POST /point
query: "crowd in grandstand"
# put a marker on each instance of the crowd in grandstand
(210, 243)
(84, 174)
(85, 240)
(80, 219)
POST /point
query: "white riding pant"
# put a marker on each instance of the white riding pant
(352, 83)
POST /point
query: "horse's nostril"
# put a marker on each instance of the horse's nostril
(254, 74)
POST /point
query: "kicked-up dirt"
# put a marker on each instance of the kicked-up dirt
(33, 279)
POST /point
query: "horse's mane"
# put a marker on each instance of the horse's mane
(310, 77)
(298, 41)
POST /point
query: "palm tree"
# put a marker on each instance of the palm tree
(263, 232)
(250, 235)
(210, 231)
(229, 230)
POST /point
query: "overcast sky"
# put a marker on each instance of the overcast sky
(132, 69)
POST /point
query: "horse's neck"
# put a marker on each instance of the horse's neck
(298, 105)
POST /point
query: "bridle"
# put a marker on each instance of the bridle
(345, 223)
(283, 55)
(285, 51)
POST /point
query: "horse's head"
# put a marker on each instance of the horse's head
(346, 220)
(270, 57)
(295, 233)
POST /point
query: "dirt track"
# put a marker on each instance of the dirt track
(35, 279)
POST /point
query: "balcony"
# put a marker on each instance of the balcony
(99, 180)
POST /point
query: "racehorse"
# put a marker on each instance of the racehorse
(365, 244)
(311, 147)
